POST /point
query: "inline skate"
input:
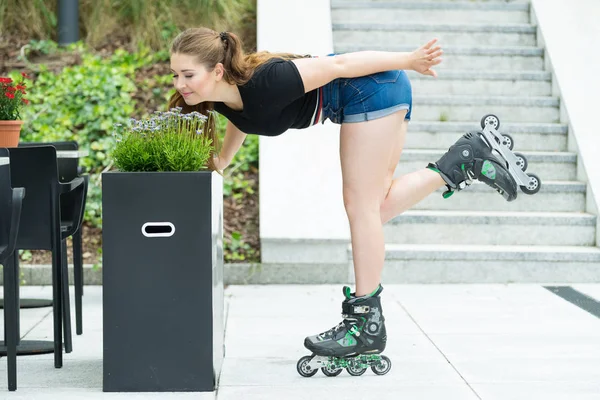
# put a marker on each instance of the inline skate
(486, 156)
(354, 344)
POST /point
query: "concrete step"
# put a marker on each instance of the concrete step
(480, 83)
(426, 263)
(475, 58)
(472, 108)
(527, 136)
(559, 196)
(448, 34)
(549, 166)
(482, 2)
(427, 11)
(492, 228)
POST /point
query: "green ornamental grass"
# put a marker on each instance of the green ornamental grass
(167, 141)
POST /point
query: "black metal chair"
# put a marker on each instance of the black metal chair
(43, 228)
(68, 169)
(11, 201)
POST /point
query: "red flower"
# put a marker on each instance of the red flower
(21, 87)
(11, 89)
(6, 80)
(10, 95)
(24, 75)
(25, 101)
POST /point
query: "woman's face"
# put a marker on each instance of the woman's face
(195, 83)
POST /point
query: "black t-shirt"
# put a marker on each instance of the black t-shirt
(274, 101)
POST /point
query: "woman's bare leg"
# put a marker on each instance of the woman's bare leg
(366, 151)
(407, 190)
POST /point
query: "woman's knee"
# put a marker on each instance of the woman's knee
(358, 203)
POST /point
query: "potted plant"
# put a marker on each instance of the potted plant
(11, 101)
(162, 246)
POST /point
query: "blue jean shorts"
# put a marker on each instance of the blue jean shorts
(367, 97)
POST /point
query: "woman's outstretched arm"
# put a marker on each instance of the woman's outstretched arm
(316, 72)
(234, 138)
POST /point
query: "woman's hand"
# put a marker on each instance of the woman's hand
(426, 57)
(220, 164)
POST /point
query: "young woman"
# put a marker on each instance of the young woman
(369, 95)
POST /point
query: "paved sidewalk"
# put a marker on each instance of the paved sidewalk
(447, 342)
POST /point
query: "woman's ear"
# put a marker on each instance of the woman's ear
(219, 71)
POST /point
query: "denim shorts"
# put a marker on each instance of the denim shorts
(367, 97)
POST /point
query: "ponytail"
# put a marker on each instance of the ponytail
(236, 68)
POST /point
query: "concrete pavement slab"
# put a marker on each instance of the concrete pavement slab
(485, 309)
(445, 341)
(282, 372)
(469, 347)
(575, 370)
(399, 391)
(538, 390)
(589, 289)
(82, 394)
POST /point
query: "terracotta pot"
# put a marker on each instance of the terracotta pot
(10, 132)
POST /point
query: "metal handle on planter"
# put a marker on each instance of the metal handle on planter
(158, 229)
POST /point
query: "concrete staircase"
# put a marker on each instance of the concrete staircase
(492, 64)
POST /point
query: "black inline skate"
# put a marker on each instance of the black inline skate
(354, 344)
(487, 157)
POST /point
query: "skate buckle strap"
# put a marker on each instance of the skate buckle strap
(354, 331)
(467, 175)
(351, 309)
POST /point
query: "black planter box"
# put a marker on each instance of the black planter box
(163, 311)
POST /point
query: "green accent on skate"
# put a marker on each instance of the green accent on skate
(362, 361)
(434, 169)
(374, 291)
(488, 169)
(354, 331)
(347, 341)
(347, 292)
(447, 193)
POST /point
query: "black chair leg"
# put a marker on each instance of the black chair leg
(56, 302)
(66, 299)
(17, 285)
(78, 280)
(10, 321)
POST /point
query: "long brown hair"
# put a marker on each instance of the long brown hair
(209, 48)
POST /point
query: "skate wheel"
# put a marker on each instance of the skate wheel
(304, 368)
(490, 119)
(521, 161)
(328, 371)
(508, 141)
(383, 367)
(355, 370)
(533, 186)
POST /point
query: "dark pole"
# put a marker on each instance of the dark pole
(68, 21)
